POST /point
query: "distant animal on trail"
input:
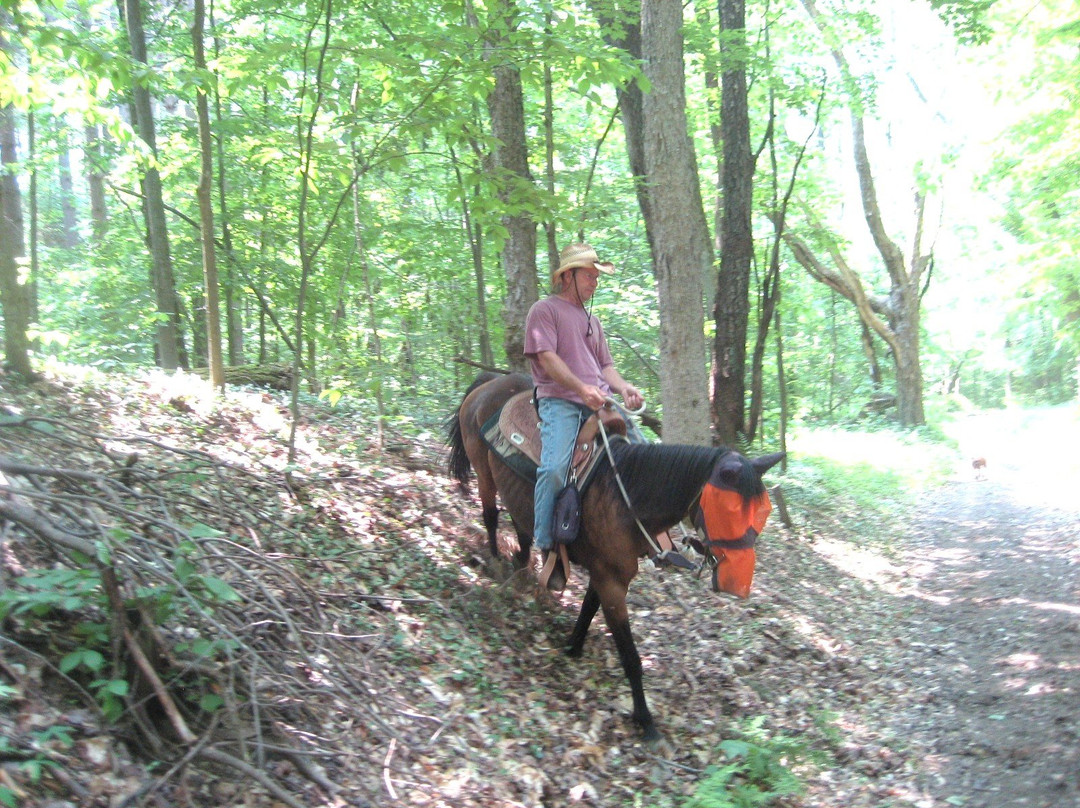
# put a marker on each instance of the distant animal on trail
(978, 464)
(663, 484)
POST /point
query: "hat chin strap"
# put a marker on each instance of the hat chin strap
(592, 300)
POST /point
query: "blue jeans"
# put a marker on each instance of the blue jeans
(559, 423)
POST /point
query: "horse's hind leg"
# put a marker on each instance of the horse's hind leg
(491, 523)
(485, 487)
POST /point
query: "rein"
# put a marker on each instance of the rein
(660, 556)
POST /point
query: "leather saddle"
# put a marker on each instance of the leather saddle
(519, 424)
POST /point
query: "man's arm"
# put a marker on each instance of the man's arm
(560, 373)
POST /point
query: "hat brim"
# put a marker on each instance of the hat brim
(606, 267)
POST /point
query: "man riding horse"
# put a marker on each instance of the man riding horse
(574, 374)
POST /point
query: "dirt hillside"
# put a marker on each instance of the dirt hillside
(380, 658)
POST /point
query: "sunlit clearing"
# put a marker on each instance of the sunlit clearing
(912, 459)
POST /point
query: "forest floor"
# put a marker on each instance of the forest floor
(930, 662)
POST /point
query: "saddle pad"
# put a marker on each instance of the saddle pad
(520, 424)
(513, 434)
(520, 463)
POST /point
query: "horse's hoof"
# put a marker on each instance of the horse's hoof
(659, 745)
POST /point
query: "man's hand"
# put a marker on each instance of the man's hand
(632, 397)
(593, 398)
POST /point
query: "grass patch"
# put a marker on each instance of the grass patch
(864, 482)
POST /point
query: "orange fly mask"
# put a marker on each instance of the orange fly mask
(732, 525)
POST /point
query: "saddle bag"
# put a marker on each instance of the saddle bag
(566, 523)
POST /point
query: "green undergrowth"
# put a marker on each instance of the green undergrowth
(753, 768)
(863, 483)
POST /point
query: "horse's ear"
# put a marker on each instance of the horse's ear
(766, 462)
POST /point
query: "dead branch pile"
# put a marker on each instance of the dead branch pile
(202, 572)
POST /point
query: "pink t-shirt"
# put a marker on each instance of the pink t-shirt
(557, 325)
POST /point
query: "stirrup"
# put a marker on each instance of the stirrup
(675, 558)
(548, 578)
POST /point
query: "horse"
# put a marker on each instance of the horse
(662, 482)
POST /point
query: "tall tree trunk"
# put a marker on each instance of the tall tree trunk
(14, 294)
(682, 254)
(169, 335)
(374, 346)
(35, 219)
(506, 109)
(69, 221)
(621, 22)
(206, 208)
(474, 236)
(234, 315)
(731, 310)
(95, 180)
(549, 155)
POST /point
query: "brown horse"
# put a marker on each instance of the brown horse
(662, 482)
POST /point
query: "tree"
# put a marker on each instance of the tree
(206, 208)
(14, 293)
(731, 309)
(895, 316)
(506, 108)
(682, 254)
(170, 350)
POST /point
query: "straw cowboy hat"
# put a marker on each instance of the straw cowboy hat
(579, 255)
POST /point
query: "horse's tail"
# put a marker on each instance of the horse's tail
(457, 462)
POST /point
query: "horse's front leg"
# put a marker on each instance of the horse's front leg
(613, 601)
(589, 607)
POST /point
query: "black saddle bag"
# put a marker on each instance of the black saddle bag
(566, 523)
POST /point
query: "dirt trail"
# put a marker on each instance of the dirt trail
(994, 630)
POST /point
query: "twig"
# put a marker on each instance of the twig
(386, 769)
(218, 756)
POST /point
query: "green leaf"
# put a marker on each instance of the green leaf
(184, 570)
(219, 589)
(201, 531)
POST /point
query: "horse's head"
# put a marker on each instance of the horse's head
(734, 509)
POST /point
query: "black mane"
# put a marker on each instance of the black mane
(663, 478)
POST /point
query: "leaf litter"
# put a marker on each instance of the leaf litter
(386, 660)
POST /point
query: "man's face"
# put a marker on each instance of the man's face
(582, 282)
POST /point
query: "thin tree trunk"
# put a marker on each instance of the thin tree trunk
(206, 208)
(95, 181)
(69, 221)
(306, 137)
(474, 236)
(169, 335)
(35, 220)
(781, 382)
(14, 296)
(234, 316)
(374, 345)
(682, 254)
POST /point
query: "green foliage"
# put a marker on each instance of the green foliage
(758, 771)
(58, 736)
(76, 596)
